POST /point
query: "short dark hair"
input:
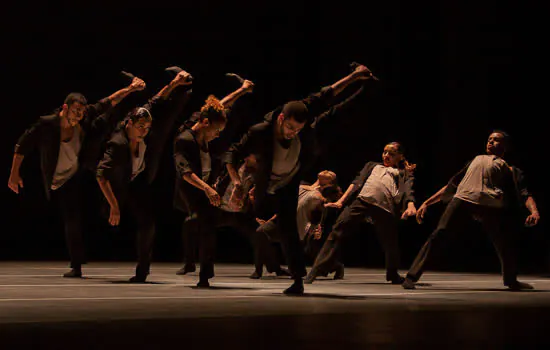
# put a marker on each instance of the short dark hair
(505, 136)
(332, 193)
(296, 110)
(138, 114)
(75, 97)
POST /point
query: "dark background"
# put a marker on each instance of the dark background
(450, 73)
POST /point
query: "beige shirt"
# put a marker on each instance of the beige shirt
(138, 163)
(482, 182)
(67, 161)
(380, 189)
(285, 164)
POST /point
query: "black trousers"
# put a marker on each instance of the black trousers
(494, 222)
(385, 225)
(69, 201)
(284, 203)
(139, 205)
(201, 225)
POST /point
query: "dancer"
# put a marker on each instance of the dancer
(61, 138)
(197, 170)
(131, 160)
(283, 145)
(491, 191)
(383, 193)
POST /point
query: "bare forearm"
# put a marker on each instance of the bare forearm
(230, 99)
(341, 84)
(196, 181)
(107, 191)
(16, 163)
(165, 92)
(119, 95)
(436, 197)
(531, 205)
(346, 194)
(233, 174)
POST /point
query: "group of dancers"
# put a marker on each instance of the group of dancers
(256, 183)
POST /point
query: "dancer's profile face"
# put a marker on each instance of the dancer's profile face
(212, 130)
(495, 144)
(138, 130)
(391, 156)
(326, 178)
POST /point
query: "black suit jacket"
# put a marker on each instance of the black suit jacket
(404, 184)
(46, 135)
(116, 164)
(259, 140)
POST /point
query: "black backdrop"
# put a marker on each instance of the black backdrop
(449, 74)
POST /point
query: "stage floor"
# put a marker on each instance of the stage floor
(40, 309)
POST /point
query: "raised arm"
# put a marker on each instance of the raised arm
(137, 84)
(181, 79)
(230, 99)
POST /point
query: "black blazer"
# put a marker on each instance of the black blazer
(260, 137)
(46, 135)
(405, 185)
(116, 164)
(187, 159)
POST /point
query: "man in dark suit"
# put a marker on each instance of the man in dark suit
(284, 145)
(64, 140)
(130, 163)
(382, 192)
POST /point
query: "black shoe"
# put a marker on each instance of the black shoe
(408, 284)
(187, 269)
(74, 273)
(517, 285)
(339, 273)
(203, 284)
(283, 272)
(138, 279)
(297, 288)
(397, 279)
(255, 275)
(311, 276)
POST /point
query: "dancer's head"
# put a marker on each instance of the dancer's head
(212, 119)
(326, 178)
(73, 108)
(497, 143)
(291, 120)
(393, 156)
(138, 124)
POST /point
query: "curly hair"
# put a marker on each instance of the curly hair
(213, 110)
(404, 163)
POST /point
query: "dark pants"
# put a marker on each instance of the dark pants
(494, 224)
(284, 203)
(139, 204)
(69, 200)
(269, 231)
(385, 225)
(201, 226)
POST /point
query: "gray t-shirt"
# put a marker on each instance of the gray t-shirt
(285, 164)
(482, 183)
(380, 189)
(67, 162)
(308, 201)
(138, 163)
